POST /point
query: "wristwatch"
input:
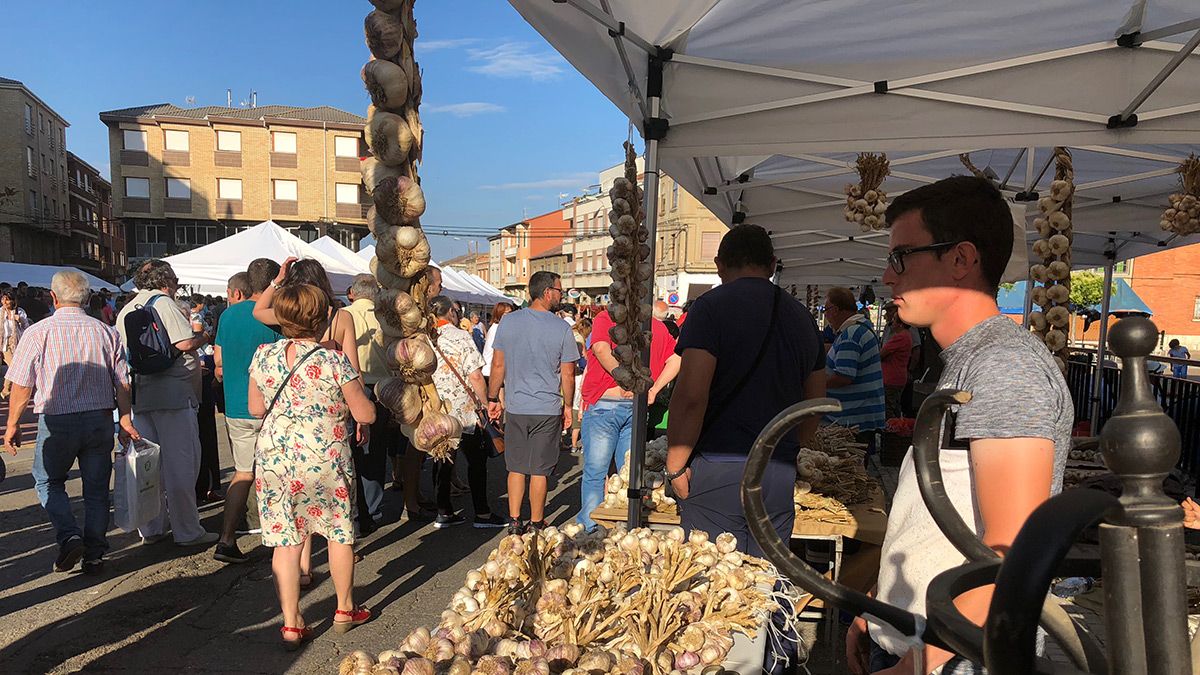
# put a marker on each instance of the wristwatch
(492, 399)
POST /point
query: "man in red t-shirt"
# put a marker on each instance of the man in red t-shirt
(893, 358)
(608, 409)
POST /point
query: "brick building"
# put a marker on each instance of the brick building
(97, 243)
(34, 198)
(521, 242)
(183, 178)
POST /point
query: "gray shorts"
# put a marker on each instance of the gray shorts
(532, 443)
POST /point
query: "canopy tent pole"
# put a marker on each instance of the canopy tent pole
(1028, 302)
(654, 130)
(1098, 377)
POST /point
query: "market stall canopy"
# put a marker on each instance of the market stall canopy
(207, 269)
(40, 275)
(367, 252)
(330, 247)
(1124, 299)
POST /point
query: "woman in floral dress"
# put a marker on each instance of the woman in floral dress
(304, 472)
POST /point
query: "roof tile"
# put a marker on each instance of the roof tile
(322, 113)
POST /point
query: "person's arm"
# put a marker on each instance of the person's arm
(122, 391)
(361, 407)
(262, 306)
(256, 403)
(16, 407)
(669, 372)
(195, 342)
(495, 382)
(478, 387)
(348, 339)
(22, 319)
(604, 356)
(567, 375)
(844, 355)
(218, 365)
(689, 402)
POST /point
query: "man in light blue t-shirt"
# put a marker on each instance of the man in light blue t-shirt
(239, 335)
(853, 369)
(534, 360)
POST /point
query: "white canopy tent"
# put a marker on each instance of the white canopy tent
(207, 269)
(330, 247)
(40, 275)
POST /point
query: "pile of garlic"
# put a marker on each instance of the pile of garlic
(839, 478)
(615, 495)
(866, 202)
(1183, 216)
(402, 254)
(1054, 249)
(635, 602)
(632, 274)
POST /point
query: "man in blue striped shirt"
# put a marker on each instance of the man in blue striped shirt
(854, 376)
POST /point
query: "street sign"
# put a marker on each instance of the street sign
(673, 299)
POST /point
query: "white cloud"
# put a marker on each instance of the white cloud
(516, 59)
(575, 181)
(436, 45)
(468, 109)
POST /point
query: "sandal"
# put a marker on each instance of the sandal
(303, 578)
(304, 634)
(358, 616)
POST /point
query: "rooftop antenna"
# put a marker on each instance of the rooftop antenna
(253, 99)
(228, 98)
(190, 100)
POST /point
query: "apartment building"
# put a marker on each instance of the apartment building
(97, 243)
(587, 247)
(184, 177)
(34, 197)
(686, 244)
(495, 260)
(520, 242)
(553, 260)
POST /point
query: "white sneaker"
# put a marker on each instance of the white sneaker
(202, 540)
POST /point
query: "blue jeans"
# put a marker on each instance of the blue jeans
(605, 431)
(881, 660)
(62, 439)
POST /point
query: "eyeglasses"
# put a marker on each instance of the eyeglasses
(896, 257)
(556, 288)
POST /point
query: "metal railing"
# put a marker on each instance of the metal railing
(1179, 399)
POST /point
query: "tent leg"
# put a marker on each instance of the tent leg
(652, 134)
(1028, 303)
(1098, 378)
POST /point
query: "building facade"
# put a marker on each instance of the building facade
(495, 261)
(686, 243)
(97, 243)
(34, 195)
(521, 242)
(183, 178)
(553, 260)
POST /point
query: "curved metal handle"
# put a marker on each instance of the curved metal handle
(776, 550)
(1079, 646)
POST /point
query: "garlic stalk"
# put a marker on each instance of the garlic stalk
(866, 202)
(1183, 215)
(632, 272)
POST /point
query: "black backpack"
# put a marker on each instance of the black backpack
(150, 350)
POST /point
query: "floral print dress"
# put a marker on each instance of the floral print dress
(304, 472)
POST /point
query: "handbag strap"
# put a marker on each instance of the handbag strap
(457, 375)
(716, 411)
(288, 378)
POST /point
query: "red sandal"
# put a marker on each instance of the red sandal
(304, 634)
(358, 616)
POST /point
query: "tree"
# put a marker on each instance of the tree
(1087, 288)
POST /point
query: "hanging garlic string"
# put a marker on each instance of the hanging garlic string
(1054, 249)
(632, 272)
(866, 202)
(1183, 216)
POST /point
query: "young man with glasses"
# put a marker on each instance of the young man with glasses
(1003, 453)
(534, 360)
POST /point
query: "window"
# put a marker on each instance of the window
(134, 140)
(28, 119)
(345, 146)
(347, 193)
(285, 190)
(175, 140)
(45, 164)
(229, 141)
(62, 138)
(709, 241)
(229, 188)
(179, 188)
(29, 162)
(1196, 309)
(33, 202)
(137, 188)
(674, 195)
(41, 122)
(283, 141)
(82, 214)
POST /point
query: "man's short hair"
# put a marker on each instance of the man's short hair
(842, 298)
(240, 282)
(364, 287)
(261, 272)
(964, 209)
(746, 246)
(1173, 344)
(539, 282)
(440, 306)
(569, 309)
(155, 274)
(70, 287)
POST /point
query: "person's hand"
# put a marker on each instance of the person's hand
(625, 393)
(567, 420)
(651, 395)
(12, 439)
(682, 484)
(363, 434)
(283, 269)
(495, 410)
(219, 373)
(127, 431)
(858, 647)
(1191, 514)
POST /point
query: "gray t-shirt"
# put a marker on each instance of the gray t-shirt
(1017, 392)
(178, 386)
(535, 345)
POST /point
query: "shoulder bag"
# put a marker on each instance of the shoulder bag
(493, 435)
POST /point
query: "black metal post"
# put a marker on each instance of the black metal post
(1142, 544)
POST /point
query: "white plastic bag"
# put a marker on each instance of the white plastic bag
(136, 498)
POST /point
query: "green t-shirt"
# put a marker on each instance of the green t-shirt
(239, 334)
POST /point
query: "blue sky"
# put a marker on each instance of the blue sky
(509, 124)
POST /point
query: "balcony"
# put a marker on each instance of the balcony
(81, 261)
(85, 229)
(510, 251)
(81, 188)
(351, 211)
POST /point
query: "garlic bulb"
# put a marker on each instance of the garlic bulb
(1039, 273)
(1037, 321)
(387, 84)
(375, 172)
(1058, 294)
(413, 358)
(1058, 270)
(398, 313)
(403, 400)
(389, 279)
(405, 262)
(1056, 340)
(1041, 248)
(389, 138)
(437, 434)
(1059, 245)
(399, 199)
(384, 34)
(1059, 221)
(1058, 316)
(1039, 296)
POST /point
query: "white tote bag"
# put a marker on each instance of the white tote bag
(136, 498)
